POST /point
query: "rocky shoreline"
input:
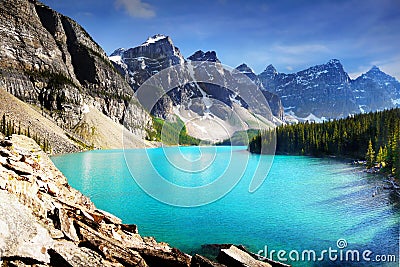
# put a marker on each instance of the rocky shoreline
(46, 222)
(390, 183)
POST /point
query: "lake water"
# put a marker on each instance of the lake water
(304, 204)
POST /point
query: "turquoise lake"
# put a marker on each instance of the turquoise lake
(304, 203)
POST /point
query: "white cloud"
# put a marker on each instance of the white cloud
(136, 8)
(355, 75)
(301, 49)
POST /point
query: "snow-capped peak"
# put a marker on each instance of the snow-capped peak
(154, 39)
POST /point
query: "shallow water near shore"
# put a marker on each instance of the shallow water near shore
(304, 204)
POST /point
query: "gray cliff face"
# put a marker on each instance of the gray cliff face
(49, 60)
(327, 91)
(275, 104)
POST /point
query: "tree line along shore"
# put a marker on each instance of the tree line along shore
(373, 137)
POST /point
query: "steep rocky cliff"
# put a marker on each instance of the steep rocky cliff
(50, 61)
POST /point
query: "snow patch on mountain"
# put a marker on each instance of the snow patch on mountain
(116, 59)
(154, 39)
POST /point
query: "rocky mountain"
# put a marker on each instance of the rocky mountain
(210, 56)
(375, 90)
(243, 68)
(51, 62)
(139, 63)
(326, 91)
(322, 90)
(199, 90)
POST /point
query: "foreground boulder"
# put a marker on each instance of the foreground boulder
(21, 236)
(45, 222)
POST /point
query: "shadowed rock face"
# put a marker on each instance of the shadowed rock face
(49, 60)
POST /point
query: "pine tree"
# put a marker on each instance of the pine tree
(350, 137)
(395, 150)
(370, 156)
(381, 157)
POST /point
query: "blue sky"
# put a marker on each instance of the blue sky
(291, 35)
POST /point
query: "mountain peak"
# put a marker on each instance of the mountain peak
(118, 52)
(207, 56)
(270, 69)
(374, 69)
(155, 38)
(377, 74)
(333, 65)
(334, 62)
(243, 68)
